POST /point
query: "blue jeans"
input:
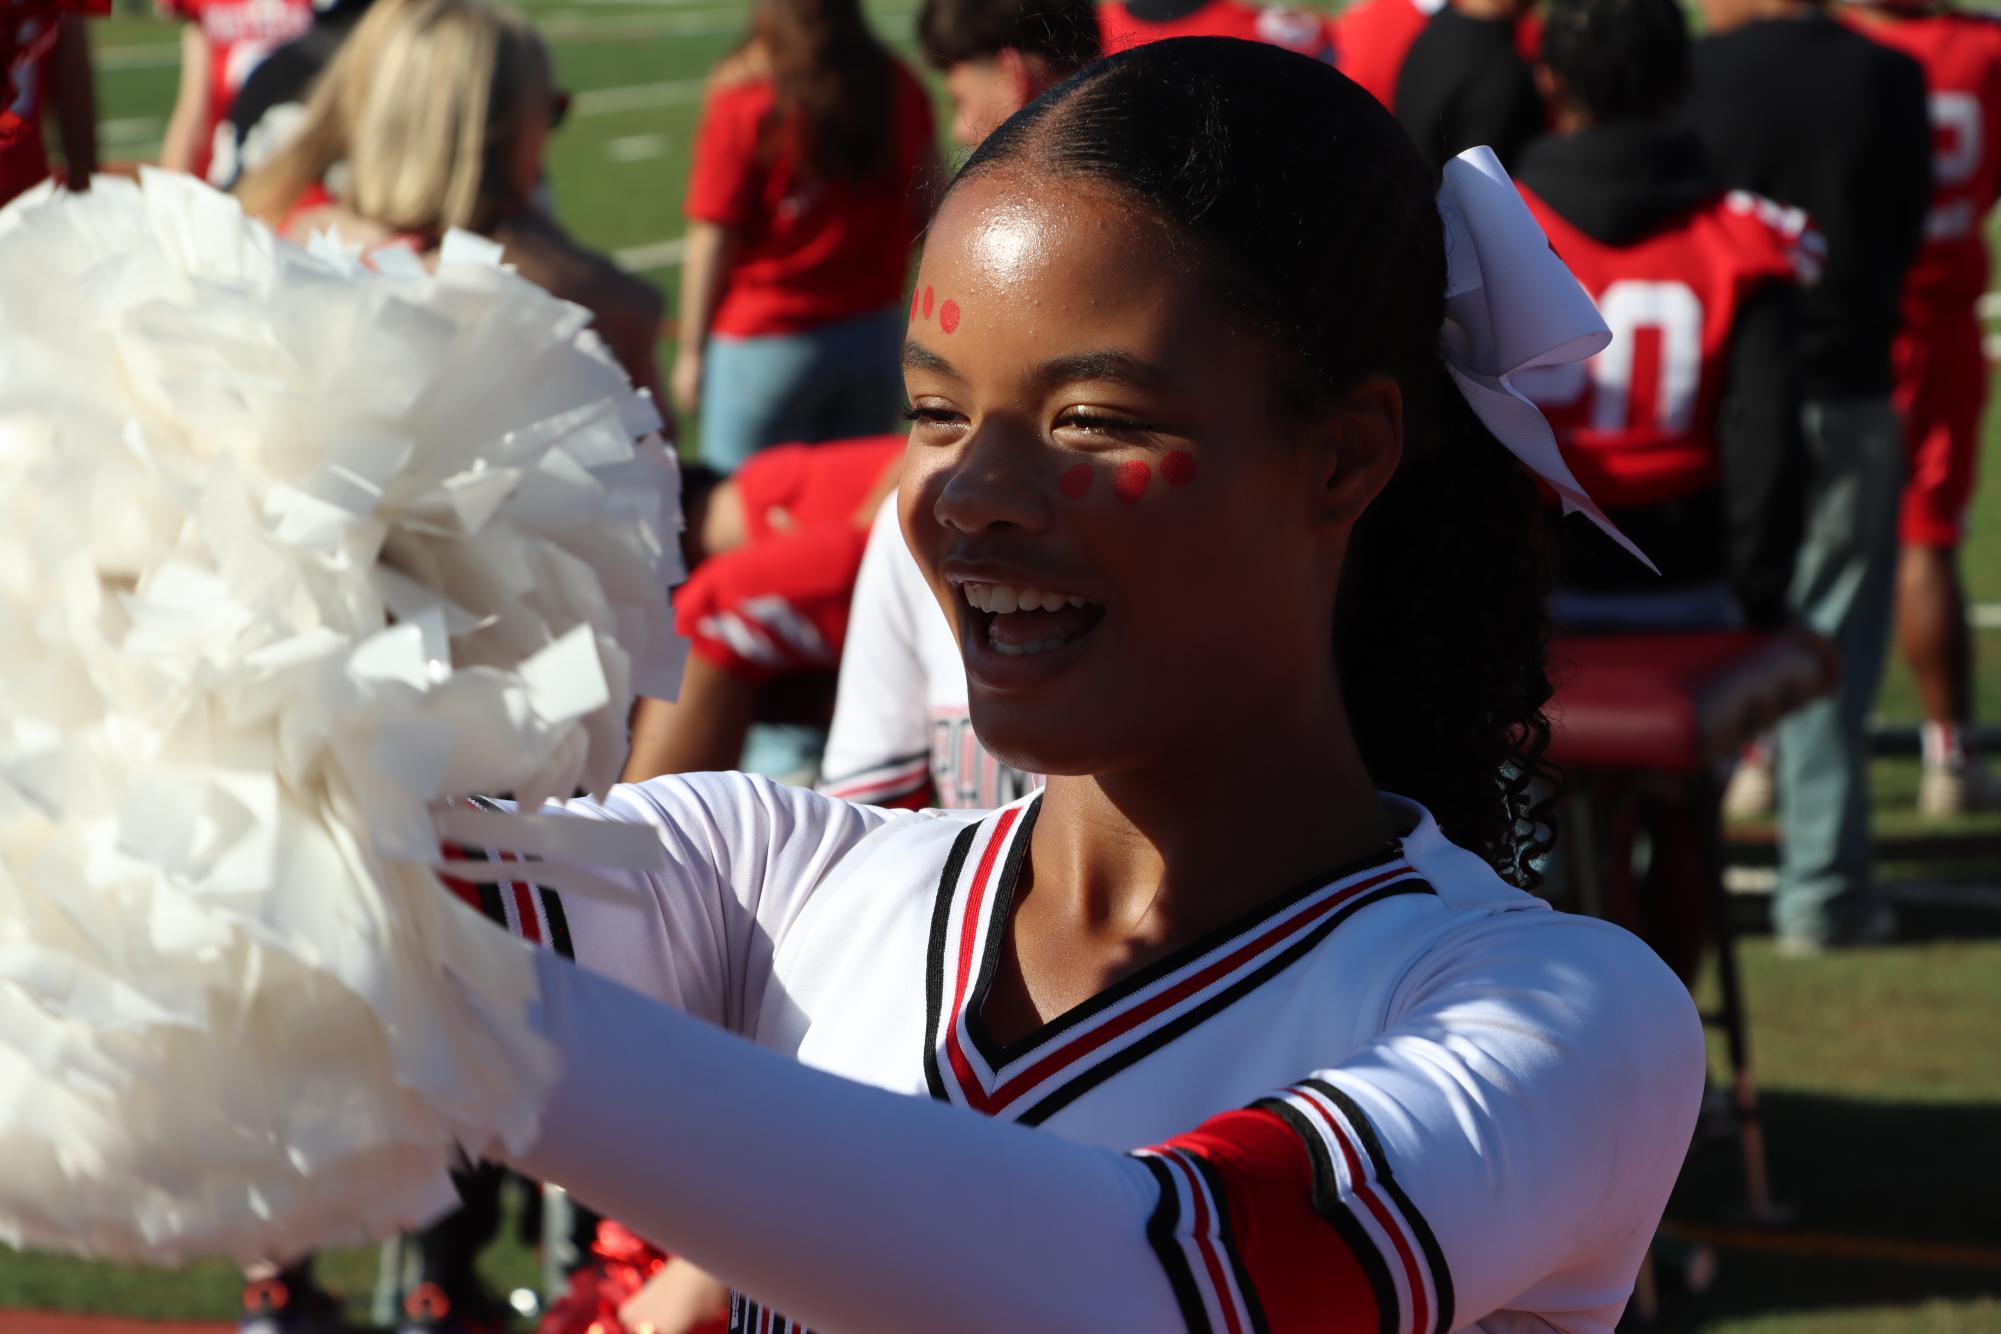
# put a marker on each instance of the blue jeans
(1843, 587)
(831, 383)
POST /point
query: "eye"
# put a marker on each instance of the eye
(1098, 424)
(934, 417)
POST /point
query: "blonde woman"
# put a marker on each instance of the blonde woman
(435, 115)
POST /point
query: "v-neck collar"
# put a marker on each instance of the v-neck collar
(1031, 1079)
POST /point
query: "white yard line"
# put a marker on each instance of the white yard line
(130, 130)
(1984, 615)
(654, 255)
(639, 97)
(1764, 879)
(635, 147)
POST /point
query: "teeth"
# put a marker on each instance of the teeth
(1003, 598)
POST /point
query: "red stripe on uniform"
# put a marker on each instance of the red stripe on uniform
(969, 926)
(1364, 1191)
(531, 929)
(1091, 1040)
(1210, 1260)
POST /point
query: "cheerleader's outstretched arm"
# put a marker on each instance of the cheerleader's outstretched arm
(1508, 1144)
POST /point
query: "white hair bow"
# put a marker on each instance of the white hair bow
(1512, 306)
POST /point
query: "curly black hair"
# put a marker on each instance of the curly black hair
(1304, 199)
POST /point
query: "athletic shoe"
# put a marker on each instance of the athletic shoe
(1956, 789)
(1750, 794)
(276, 1305)
(1878, 928)
(429, 1309)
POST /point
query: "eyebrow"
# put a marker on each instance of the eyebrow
(1105, 364)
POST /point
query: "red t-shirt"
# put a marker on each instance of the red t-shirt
(1637, 423)
(1295, 29)
(1961, 56)
(1371, 39)
(240, 33)
(808, 252)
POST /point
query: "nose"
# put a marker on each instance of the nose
(993, 482)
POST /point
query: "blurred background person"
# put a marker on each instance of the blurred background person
(815, 168)
(1687, 427)
(1124, 24)
(271, 104)
(1372, 37)
(1941, 379)
(1792, 105)
(44, 60)
(1464, 83)
(221, 42)
(997, 56)
(437, 113)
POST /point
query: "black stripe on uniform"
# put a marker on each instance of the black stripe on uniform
(552, 903)
(1167, 1246)
(1227, 1231)
(934, 967)
(1434, 1254)
(1332, 1206)
(1090, 1078)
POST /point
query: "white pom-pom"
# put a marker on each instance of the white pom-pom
(291, 547)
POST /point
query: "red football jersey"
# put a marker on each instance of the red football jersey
(26, 32)
(240, 33)
(1637, 423)
(1961, 56)
(1372, 37)
(1295, 29)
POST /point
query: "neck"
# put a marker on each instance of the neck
(1169, 852)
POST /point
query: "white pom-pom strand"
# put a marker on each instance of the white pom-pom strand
(292, 548)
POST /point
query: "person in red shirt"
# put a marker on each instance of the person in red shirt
(1687, 427)
(815, 166)
(44, 52)
(1372, 37)
(1123, 24)
(1941, 377)
(221, 43)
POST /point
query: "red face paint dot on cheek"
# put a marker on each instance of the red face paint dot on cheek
(1077, 481)
(948, 316)
(927, 303)
(1178, 467)
(1129, 481)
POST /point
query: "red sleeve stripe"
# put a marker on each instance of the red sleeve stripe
(884, 782)
(521, 907)
(1190, 1233)
(1355, 1188)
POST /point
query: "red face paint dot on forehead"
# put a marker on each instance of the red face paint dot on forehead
(1077, 480)
(948, 316)
(1129, 481)
(927, 303)
(915, 297)
(1178, 467)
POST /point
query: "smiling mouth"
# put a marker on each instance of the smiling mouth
(1020, 622)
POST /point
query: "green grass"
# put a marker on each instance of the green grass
(1881, 1071)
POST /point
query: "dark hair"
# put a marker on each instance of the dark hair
(834, 93)
(1063, 32)
(1304, 197)
(1618, 59)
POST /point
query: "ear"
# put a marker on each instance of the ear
(1355, 450)
(1027, 75)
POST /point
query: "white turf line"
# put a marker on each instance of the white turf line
(635, 147)
(560, 29)
(1763, 879)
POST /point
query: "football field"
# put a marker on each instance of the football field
(1881, 1069)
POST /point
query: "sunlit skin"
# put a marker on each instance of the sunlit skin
(1199, 751)
(987, 91)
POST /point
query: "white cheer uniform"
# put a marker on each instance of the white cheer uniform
(1404, 1097)
(901, 734)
